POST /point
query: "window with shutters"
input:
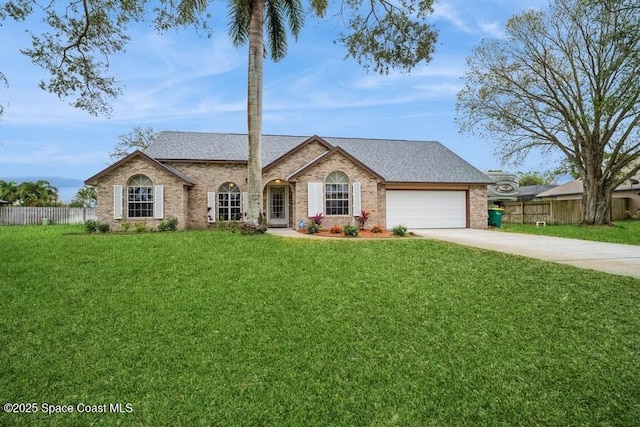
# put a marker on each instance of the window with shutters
(140, 197)
(229, 202)
(336, 194)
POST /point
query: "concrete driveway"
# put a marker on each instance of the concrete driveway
(608, 257)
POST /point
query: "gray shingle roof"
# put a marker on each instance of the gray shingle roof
(395, 160)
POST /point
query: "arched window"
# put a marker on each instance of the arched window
(140, 197)
(337, 194)
(229, 202)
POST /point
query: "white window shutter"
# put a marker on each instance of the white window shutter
(158, 202)
(316, 196)
(245, 203)
(357, 199)
(117, 202)
(211, 206)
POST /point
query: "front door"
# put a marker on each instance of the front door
(278, 206)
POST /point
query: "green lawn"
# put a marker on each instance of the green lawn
(214, 328)
(627, 232)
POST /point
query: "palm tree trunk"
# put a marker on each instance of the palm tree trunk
(254, 108)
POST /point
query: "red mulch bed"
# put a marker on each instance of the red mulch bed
(362, 234)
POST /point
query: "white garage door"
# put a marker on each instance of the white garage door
(426, 209)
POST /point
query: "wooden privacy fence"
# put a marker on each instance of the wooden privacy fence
(555, 211)
(11, 215)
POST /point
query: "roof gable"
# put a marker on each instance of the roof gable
(313, 140)
(93, 180)
(325, 156)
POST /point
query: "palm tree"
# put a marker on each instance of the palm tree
(249, 21)
(86, 197)
(39, 193)
(8, 191)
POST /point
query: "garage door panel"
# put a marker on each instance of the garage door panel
(426, 209)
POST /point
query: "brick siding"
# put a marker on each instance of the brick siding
(189, 203)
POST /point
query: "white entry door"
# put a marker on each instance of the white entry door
(278, 206)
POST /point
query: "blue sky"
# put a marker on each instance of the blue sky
(180, 81)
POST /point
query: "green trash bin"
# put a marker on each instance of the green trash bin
(495, 217)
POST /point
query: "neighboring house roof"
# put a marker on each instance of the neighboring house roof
(138, 153)
(394, 160)
(533, 190)
(4, 202)
(575, 187)
(571, 187)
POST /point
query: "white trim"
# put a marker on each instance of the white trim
(117, 202)
(357, 199)
(158, 202)
(315, 193)
(211, 206)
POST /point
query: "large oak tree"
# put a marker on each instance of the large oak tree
(380, 35)
(563, 80)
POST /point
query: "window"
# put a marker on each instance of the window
(229, 202)
(337, 194)
(140, 197)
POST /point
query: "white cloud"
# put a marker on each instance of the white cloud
(451, 13)
(493, 29)
(44, 154)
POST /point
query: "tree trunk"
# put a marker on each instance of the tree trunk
(254, 109)
(596, 201)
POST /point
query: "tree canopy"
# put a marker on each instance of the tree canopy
(138, 139)
(563, 81)
(86, 197)
(28, 193)
(81, 35)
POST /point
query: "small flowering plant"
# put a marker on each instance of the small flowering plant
(315, 224)
(362, 219)
(317, 219)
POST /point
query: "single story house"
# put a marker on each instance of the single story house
(200, 178)
(573, 190)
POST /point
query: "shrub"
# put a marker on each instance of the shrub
(313, 228)
(103, 227)
(170, 225)
(90, 226)
(336, 229)
(377, 229)
(141, 227)
(362, 219)
(125, 226)
(399, 230)
(350, 230)
(246, 228)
